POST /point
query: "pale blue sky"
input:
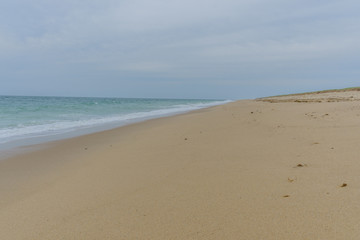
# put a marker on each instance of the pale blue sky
(229, 49)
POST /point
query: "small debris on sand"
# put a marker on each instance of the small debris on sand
(300, 165)
(291, 180)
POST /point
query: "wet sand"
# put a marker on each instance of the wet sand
(252, 169)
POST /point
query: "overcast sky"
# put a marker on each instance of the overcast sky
(228, 49)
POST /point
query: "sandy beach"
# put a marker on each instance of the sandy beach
(284, 167)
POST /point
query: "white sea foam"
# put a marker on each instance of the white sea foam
(61, 127)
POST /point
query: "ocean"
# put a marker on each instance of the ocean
(30, 120)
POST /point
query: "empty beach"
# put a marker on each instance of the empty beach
(283, 167)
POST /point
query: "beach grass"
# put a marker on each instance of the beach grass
(317, 92)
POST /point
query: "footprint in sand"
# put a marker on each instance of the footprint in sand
(311, 115)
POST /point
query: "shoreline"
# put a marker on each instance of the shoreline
(12, 148)
(248, 169)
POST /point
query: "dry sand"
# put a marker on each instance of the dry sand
(251, 169)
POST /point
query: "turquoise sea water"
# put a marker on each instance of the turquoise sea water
(35, 117)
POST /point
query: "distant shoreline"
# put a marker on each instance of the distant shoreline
(60, 118)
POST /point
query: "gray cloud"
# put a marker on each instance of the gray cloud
(224, 49)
